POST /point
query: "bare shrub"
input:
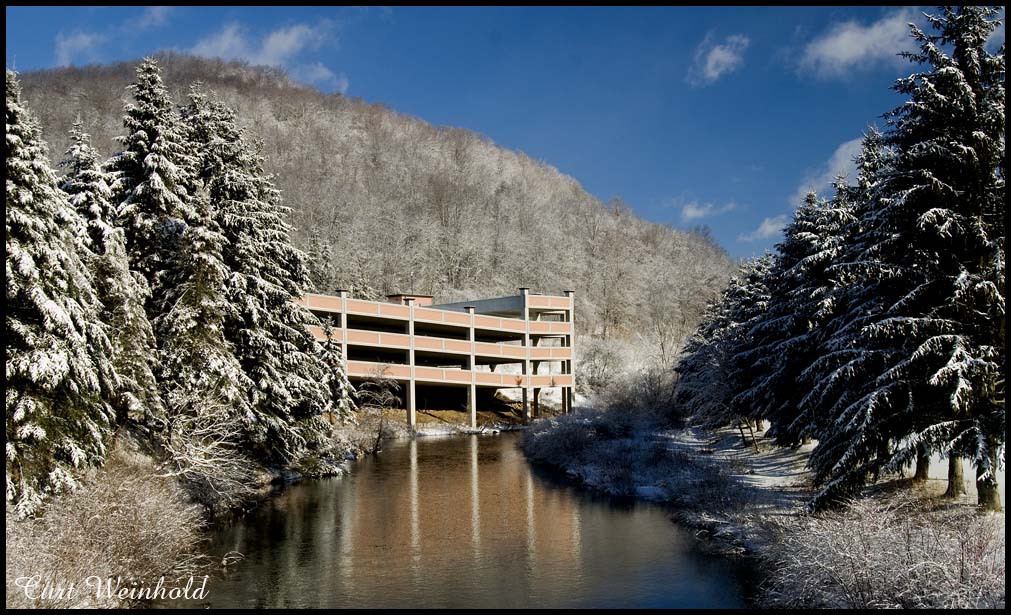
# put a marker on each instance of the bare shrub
(649, 391)
(127, 522)
(374, 397)
(599, 363)
(890, 554)
(560, 441)
(202, 449)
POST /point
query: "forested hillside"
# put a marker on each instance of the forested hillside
(385, 202)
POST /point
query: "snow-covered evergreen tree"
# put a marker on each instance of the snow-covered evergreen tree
(88, 187)
(341, 390)
(925, 317)
(327, 275)
(151, 184)
(785, 338)
(268, 332)
(948, 192)
(323, 274)
(122, 293)
(708, 378)
(196, 362)
(58, 373)
(358, 284)
(832, 376)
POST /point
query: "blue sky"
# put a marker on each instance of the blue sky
(722, 116)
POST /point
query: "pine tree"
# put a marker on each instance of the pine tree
(700, 390)
(267, 330)
(322, 272)
(121, 292)
(341, 390)
(924, 330)
(58, 375)
(198, 371)
(856, 417)
(785, 338)
(811, 295)
(151, 182)
(708, 378)
(948, 193)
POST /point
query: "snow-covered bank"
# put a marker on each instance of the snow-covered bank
(626, 455)
(127, 522)
(135, 523)
(895, 547)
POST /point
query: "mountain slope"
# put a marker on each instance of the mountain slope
(390, 202)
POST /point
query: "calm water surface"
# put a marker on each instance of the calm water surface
(462, 522)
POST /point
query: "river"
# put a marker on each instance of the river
(462, 522)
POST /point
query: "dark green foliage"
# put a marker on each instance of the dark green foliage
(884, 334)
(58, 375)
(122, 293)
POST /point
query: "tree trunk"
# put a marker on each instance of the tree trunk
(956, 477)
(754, 440)
(922, 465)
(379, 434)
(744, 438)
(882, 457)
(989, 497)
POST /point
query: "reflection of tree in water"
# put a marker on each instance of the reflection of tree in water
(468, 523)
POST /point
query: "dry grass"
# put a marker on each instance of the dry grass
(127, 522)
(889, 552)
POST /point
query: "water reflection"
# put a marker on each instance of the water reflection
(462, 522)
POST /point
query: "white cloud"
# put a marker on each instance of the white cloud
(770, 227)
(229, 44)
(77, 48)
(840, 163)
(696, 211)
(712, 61)
(850, 45)
(318, 74)
(281, 47)
(152, 17)
(277, 48)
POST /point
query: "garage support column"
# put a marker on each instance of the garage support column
(412, 417)
(472, 389)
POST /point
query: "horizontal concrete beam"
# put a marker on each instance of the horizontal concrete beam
(376, 339)
(500, 306)
(450, 376)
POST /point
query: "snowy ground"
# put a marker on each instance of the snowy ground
(550, 397)
(937, 478)
(774, 482)
(780, 472)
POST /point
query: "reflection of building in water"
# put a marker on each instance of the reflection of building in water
(451, 506)
(522, 341)
(459, 522)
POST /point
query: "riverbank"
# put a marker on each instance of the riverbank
(894, 547)
(133, 522)
(130, 522)
(127, 521)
